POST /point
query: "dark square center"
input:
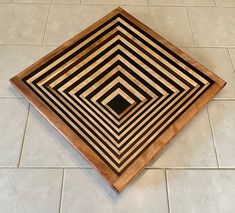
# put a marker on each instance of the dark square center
(118, 104)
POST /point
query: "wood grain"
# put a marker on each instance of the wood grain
(118, 92)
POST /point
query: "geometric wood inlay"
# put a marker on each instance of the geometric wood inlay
(118, 92)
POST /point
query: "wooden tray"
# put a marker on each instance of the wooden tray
(118, 92)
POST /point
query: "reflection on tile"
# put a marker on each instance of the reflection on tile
(163, 20)
(213, 26)
(183, 2)
(72, 19)
(66, 1)
(222, 115)
(22, 23)
(30, 190)
(13, 60)
(217, 60)
(99, 2)
(44, 146)
(193, 147)
(232, 55)
(210, 191)
(116, 2)
(146, 194)
(13, 114)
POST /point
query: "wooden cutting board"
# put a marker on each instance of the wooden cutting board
(118, 92)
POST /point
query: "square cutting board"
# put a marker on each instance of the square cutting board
(118, 92)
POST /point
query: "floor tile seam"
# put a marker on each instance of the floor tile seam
(213, 137)
(23, 138)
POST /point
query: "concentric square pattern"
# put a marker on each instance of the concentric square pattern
(118, 92)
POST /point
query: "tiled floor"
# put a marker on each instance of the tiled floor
(40, 171)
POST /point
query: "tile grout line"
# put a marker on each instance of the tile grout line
(231, 61)
(224, 99)
(44, 167)
(213, 47)
(45, 31)
(61, 192)
(216, 99)
(57, 45)
(213, 138)
(191, 26)
(192, 168)
(8, 97)
(23, 139)
(226, 7)
(28, 44)
(152, 5)
(167, 193)
(148, 168)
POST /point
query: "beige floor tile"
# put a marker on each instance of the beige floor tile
(45, 147)
(213, 26)
(13, 116)
(232, 55)
(30, 190)
(218, 61)
(85, 191)
(116, 2)
(160, 19)
(201, 191)
(193, 147)
(183, 2)
(22, 23)
(13, 60)
(222, 115)
(72, 19)
(172, 23)
(225, 3)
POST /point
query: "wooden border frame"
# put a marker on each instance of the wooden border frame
(117, 182)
